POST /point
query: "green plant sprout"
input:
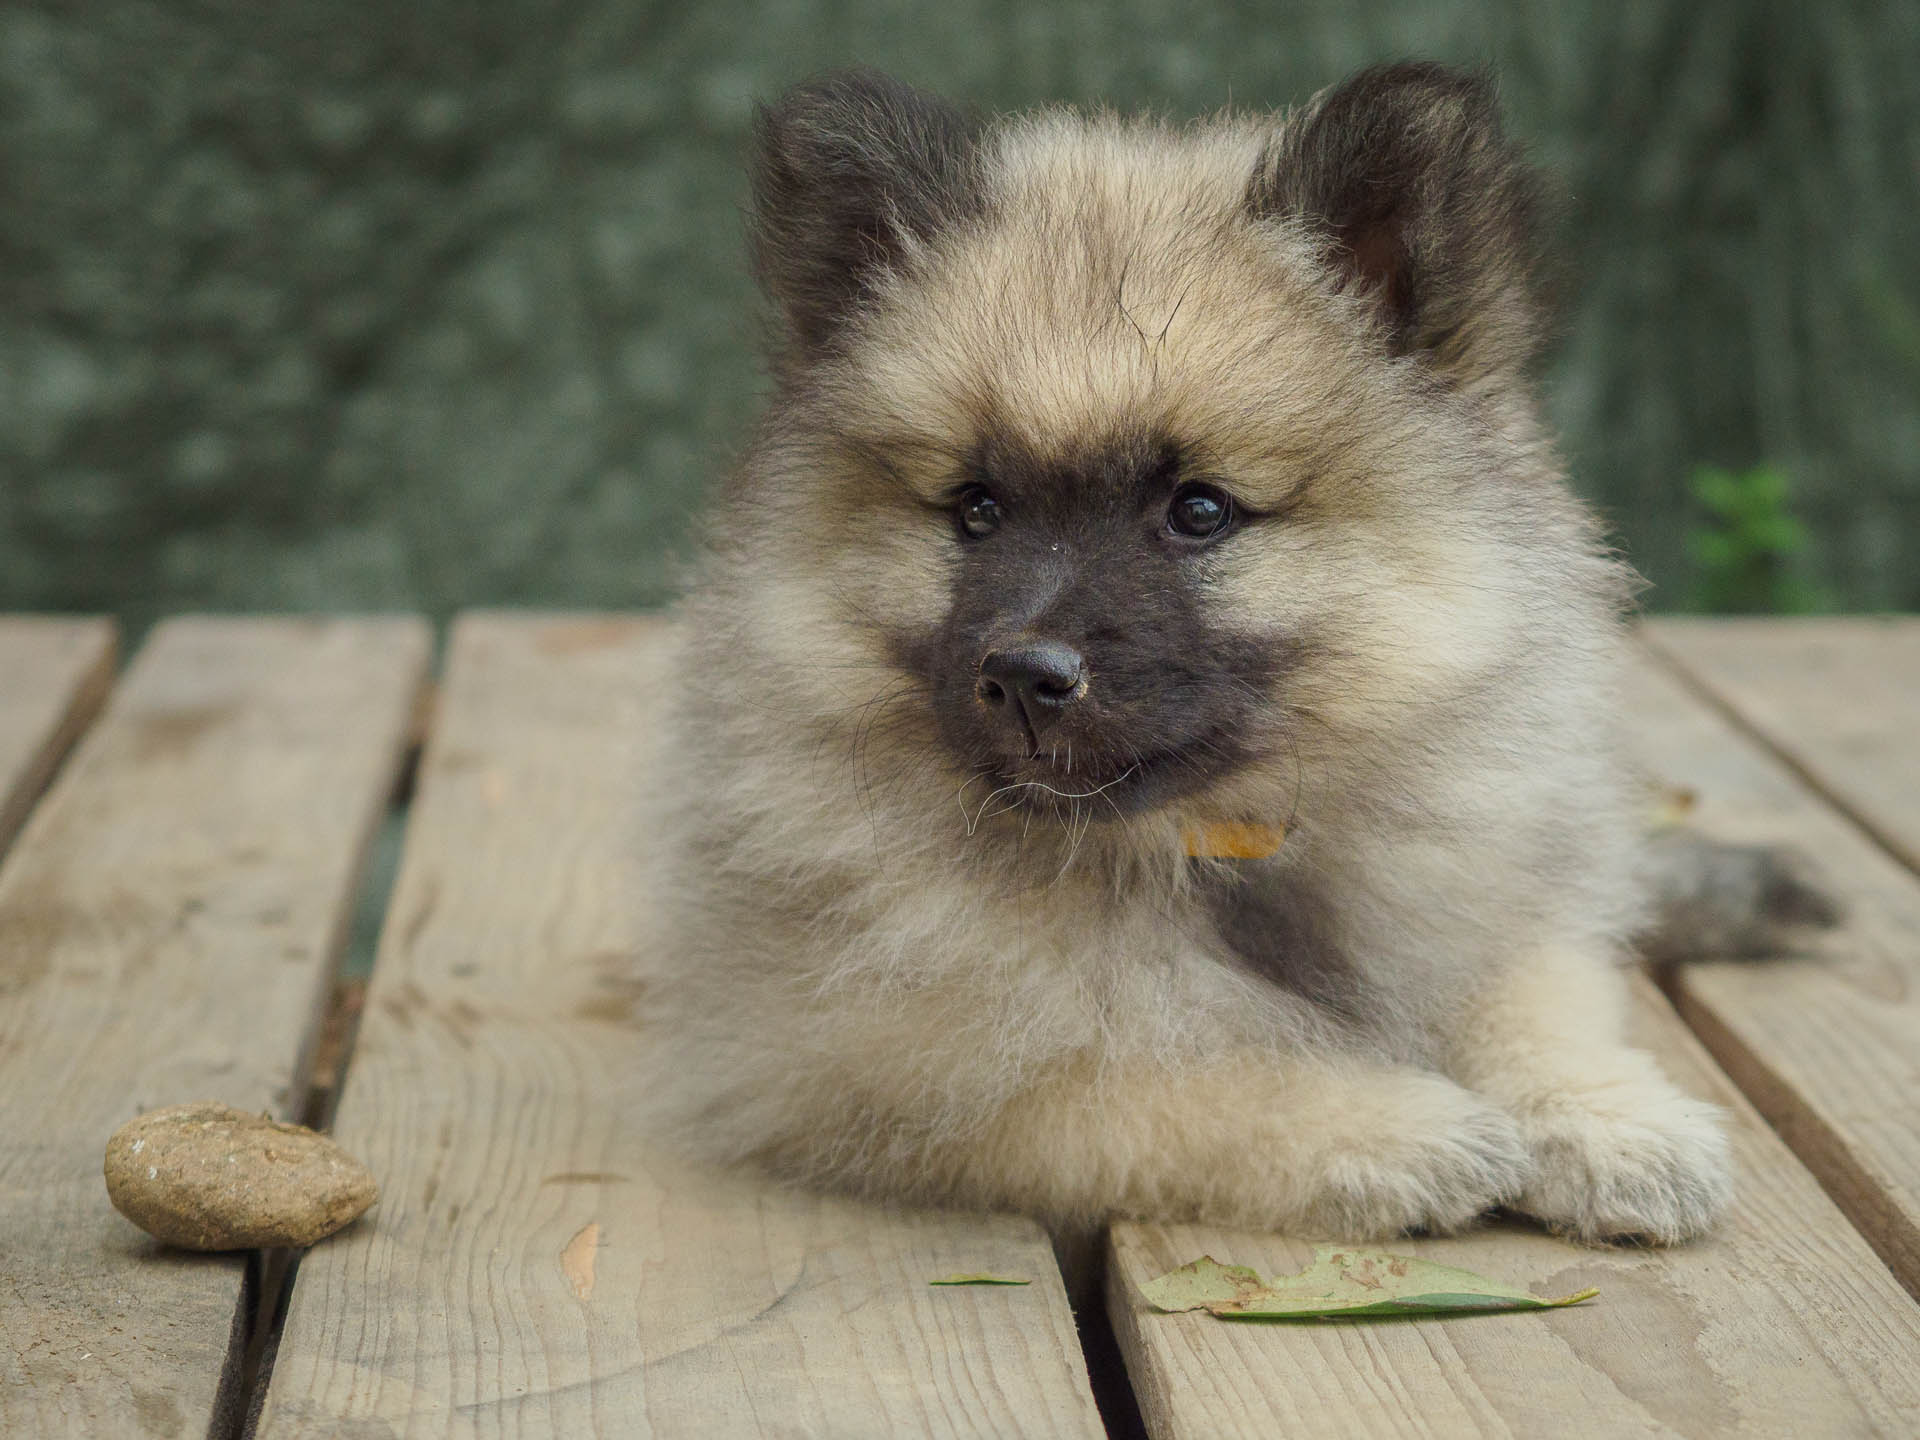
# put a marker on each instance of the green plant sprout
(1743, 558)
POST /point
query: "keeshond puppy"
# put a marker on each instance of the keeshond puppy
(1144, 735)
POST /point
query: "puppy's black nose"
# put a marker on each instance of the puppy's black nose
(1040, 679)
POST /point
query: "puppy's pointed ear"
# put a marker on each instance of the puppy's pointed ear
(1424, 205)
(850, 173)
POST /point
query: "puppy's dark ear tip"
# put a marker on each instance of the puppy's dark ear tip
(1428, 74)
(1404, 92)
(1425, 206)
(850, 169)
(839, 102)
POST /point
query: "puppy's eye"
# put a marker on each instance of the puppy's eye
(1199, 512)
(978, 512)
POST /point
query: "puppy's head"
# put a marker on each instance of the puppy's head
(1151, 459)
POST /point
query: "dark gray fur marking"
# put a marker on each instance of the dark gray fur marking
(1282, 929)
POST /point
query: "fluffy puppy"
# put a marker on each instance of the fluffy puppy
(1124, 484)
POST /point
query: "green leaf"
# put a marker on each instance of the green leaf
(1767, 487)
(1742, 559)
(1714, 550)
(1202, 1284)
(981, 1280)
(1341, 1282)
(1775, 534)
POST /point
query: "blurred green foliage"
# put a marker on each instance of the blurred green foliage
(1744, 556)
(342, 304)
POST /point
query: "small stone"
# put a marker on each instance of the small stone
(205, 1176)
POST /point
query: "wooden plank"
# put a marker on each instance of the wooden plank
(532, 1268)
(1828, 1046)
(54, 675)
(1837, 696)
(1783, 1323)
(168, 922)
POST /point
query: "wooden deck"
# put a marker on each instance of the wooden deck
(183, 852)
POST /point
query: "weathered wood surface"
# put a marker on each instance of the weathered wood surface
(1782, 1324)
(54, 674)
(168, 919)
(1827, 1045)
(1839, 696)
(531, 1269)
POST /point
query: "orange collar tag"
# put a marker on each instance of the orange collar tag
(1232, 840)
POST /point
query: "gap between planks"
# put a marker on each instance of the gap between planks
(1835, 699)
(57, 673)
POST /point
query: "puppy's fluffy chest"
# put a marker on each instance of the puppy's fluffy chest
(1037, 965)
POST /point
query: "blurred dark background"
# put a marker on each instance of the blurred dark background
(345, 304)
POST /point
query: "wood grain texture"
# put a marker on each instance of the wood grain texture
(1782, 1324)
(1838, 696)
(532, 1268)
(54, 676)
(169, 918)
(1826, 1044)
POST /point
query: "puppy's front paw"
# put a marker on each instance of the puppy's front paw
(1447, 1158)
(1634, 1161)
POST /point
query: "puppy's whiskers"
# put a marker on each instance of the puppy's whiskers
(1021, 789)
